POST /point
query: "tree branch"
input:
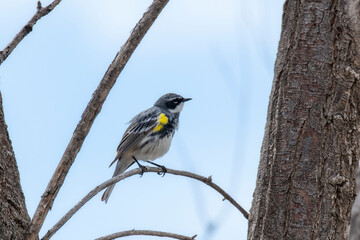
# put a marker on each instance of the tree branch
(145, 232)
(90, 113)
(99, 188)
(27, 28)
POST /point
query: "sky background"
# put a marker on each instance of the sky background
(221, 53)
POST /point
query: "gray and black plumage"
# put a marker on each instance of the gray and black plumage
(148, 136)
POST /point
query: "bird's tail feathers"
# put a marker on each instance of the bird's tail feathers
(106, 195)
(116, 158)
(121, 166)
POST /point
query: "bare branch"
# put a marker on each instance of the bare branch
(27, 28)
(99, 188)
(90, 113)
(39, 6)
(145, 232)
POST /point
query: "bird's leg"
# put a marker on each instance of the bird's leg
(143, 168)
(160, 166)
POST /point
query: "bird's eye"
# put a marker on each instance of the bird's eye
(173, 103)
(177, 101)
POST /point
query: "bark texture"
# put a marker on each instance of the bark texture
(355, 213)
(14, 218)
(306, 178)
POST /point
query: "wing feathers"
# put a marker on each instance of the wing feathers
(140, 126)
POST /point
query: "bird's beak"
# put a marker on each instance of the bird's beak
(186, 99)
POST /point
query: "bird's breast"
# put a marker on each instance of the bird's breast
(151, 149)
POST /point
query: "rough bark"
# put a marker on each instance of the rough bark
(355, 213)
(14, 218)
(306, 178)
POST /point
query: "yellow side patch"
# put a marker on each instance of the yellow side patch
(163, 120)
(158, 128)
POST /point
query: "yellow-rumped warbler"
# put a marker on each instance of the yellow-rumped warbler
(149, 135)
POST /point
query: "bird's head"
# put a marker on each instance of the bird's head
(172, 102)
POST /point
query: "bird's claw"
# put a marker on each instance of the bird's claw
(164, 170)
(143, 169)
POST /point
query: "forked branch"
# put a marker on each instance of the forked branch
(99, 188)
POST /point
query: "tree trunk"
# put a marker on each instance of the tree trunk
(306, 179)
(355, 213)
(14, 218)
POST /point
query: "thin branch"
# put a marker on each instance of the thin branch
(147, 233)
(90, 113)
(40, 12)
(99, 188)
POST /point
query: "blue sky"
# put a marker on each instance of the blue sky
(220, 53)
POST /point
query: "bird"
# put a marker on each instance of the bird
(148, 136)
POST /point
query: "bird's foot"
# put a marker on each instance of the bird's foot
(143, 169)
(164, 169)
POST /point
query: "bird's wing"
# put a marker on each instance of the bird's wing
(140, 126)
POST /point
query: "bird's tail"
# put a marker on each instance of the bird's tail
(121, 166)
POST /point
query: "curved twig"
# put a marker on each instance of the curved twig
(145, 232)
(92, 110)
(27, 28)
(96, 190)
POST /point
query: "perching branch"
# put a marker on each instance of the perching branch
(40, 12)
(99, 188)
(147, 233)
(92, 110)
